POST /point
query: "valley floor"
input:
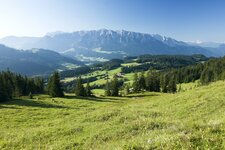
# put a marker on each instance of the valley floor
(186, 120)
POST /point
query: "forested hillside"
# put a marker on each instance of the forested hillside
(34, 62)
(210, 71)
(15, 85)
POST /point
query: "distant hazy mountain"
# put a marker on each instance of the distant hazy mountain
(33, 62)
(218, 49)
(205, 44)
(105, 44)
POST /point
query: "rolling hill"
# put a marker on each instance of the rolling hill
(192, 119)
(34, 61)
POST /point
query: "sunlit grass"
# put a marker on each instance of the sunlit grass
(130, 64)
(193, 119)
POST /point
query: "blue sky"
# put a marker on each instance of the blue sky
(187, 20)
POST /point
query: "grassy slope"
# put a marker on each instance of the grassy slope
(100, 81)
(190, 119)
(111, 73)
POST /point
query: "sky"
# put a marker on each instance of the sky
(186, 20)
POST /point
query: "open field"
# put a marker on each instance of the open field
(192, 119)
(100, 80)
(131, 64)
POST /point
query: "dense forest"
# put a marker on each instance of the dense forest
(166, 80)
(207, 72)
(15, 85)
(75, 72)
(162, 62)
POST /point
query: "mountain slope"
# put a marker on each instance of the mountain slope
(217, 48)
(205, 44)
(107, 44)
(220, 50)
(193, 119)
(32, 62)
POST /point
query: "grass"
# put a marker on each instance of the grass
(100, 81)
(70, 66)
(130, 64)
(98, 92)
(193, 119)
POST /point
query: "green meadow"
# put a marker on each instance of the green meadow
(191, 119)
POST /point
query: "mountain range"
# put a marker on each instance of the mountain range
(101, 45)
(60, 50)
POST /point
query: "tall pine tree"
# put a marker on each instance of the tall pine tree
(153, 81)
(107, 89)
(54, 86)
(135, 85)
(88, 90)
(3, 95)
(164, 83)
(141, 82)
(115, 86)
(79, 88)
(172, 86)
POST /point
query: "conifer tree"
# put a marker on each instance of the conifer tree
(135, 83)
(115, 87)
(179, 88)
(126, 89)
(3, 95)
(88, 89)
(39, 85)
(172, 86)
(18, 91)
(54, 86)
(8, 85)
(153, 81)
(141, 82)
(164, 83)
(107, 89)
(207, 76)
(15, 85)
(30, 95)
(79, 88)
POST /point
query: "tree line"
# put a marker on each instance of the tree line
(207, 72)
(112, 87)
(154, 81)
(54, 87)
(15, 85)
(163, 62)
(167, 80)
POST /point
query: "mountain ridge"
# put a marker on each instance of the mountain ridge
(106, 44)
